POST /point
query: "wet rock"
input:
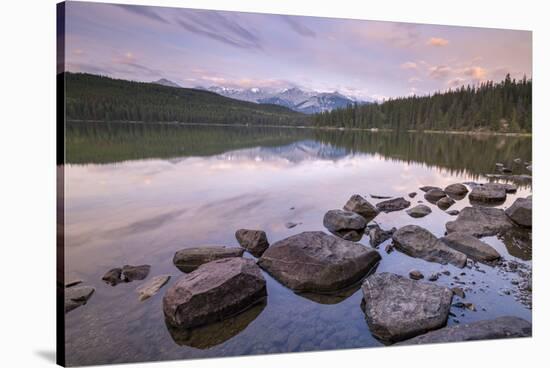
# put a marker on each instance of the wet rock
(433, 277)
(471, 246)
(433, 195)
(458, 292)
(76, 296)
(389, 248)
(505, 170)
(521, 211)
(416, 275)
(132, 273)
(391, 205)
(412, 194)
(187, 260)
(152, 287)
(345, 224)
(290, 225)
(318, 262)
(254, 241)
(73, 283)
(456, 189)
(418, 242)
(480, 221)
(113, 276)
(498, 328)
(213, 292)
(445, 203)
(499, 165)
(529, 167)
(361, 206)
(418, 211)
(488, 193)
(379, 196)
(517, 160)
(519, 179)
(397, 308)
(453, 212)
(427, 188)
(378, 236)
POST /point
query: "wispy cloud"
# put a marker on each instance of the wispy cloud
(438, 42)
(475, 72)
(144, 11)
(409, 65)
(439, 71)
(298, 26)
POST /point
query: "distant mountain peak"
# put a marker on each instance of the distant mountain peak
(167, 83)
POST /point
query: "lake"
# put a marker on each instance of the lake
(137, 193)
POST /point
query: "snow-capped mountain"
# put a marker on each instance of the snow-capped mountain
(167, 83)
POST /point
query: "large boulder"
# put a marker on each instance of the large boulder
(480, 221)
(418, 242)
(345, 224)
(213, 292)
(190, 259)
(391, 205)
(445, 202)
(488, 193)
(521, 211)
(317, 262)
(397, 308)
(418, 211)
(361, 206)
(471, 246)
(254, 241)
(456, 189)
(433, 195)
(498, 328)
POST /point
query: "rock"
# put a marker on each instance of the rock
(517, 160)
(505, 170)
(76, 296)
(361, 206)
(397, 308)
(412, 194)
(345, 224)
(416, 275)
(520, 179)
(379, 196)
(488, 193)
(433, 195)
(498, 328)
(187, 260)
(445, 203)
(453, 212)
(509, 188)
(254, 241)
(521, 211)
(471, 246)
(290, 225)
(396, 204)
(378, 236)
(318, 262)
(499, 165)
(131, 273)
(433, 277)
(113, 276)
(480, 221)
(458, 292)
(213, 292)
(150, 288)
(420, 210)
(456, 189)
(73, 283)
(529, 167)
(427, 188)
(389, 248)
(418, 242)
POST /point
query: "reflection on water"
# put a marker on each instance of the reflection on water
(136, 194)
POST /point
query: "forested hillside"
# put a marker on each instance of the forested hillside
(504, 106)
(97, 98)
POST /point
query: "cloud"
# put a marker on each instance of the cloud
(456, 82)
(297, 26)
(414, 80)
(409, 65)
(438, 42)
(475, 72)
(439, 72)
(144, 11)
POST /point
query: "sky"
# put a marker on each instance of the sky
(359, 58)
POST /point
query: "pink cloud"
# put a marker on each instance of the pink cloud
(439, 71)
(438, 42)
(409, 65)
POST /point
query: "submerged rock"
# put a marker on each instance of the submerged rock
(318, 262)
(427, 188)
(345, 224)
(254, 241)
(397, 308)
(418, 242)
(76, 296)
(132, 273)
(445, 202)
(391, 205)
(361, 206)
(456, 189)
(521, 211)
(213, 292)
(498, 328)
(378, 236)
(187, 260)
(453, 212)
(113, 276)
(488, 193)
(152, 287)
(480, 221)
(471, 246)
(420, 210)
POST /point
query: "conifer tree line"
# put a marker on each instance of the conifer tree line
(503, 106)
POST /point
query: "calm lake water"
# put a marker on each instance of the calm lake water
(135, 194)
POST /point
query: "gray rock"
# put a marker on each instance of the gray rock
(345, 224)
(378, 236)
(213, 292)
(471, 246)
(113, 276)
(379, 196)
(391, 205)
(412, 194)
(318, 262)
(420, 210)
(499, 165)
(433, 195)
(517, 160)
(529, 167)
(427, 188)
(152, 287)
(132, 273)
(73, 283)
(444, 203)
(488, 193)
(456, 189)
(76, 296)
(418, 242)
(433, 277)
(190, 259)
(521, 211)
(458, 292)
(498, 328)
(453, 212)
(416, 275)
(254, 241)
(397, 308)
(480, 221)
(361, 206)
(290, 225)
